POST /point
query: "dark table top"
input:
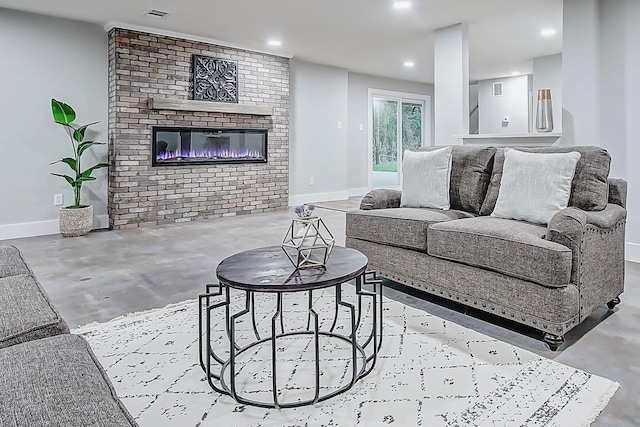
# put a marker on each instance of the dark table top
(269, 270)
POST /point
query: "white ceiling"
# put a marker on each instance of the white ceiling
(366, 36)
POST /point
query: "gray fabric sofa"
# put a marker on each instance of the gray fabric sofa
(49, 377)
(550, 278)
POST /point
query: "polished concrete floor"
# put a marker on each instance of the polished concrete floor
(109, 273)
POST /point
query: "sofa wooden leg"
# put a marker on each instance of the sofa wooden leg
(553, 341)
(613, 303)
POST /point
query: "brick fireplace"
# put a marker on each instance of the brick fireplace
(150, 85)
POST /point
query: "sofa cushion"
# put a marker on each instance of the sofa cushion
(514, 248)
(57, 381)
(589, 188)
(425, 179)
(403, 227)
(11, 262)
(470, 175)
(27, 313)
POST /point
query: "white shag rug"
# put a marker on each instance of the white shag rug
(430, 372)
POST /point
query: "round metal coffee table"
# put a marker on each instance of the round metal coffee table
(268, 270)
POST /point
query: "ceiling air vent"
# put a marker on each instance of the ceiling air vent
(156, 13)
(497, 89)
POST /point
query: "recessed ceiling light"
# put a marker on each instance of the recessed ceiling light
(409, 64)
(156, 13)
(548, 32)
(515, 73)
(402, 4)
(274, 43)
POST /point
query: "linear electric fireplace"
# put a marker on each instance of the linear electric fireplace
(198, 146)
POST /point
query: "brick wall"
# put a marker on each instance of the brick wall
(145, 65)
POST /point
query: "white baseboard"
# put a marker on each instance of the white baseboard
(28, 229)
(632, 252)
(43, 228)
(353, 192)
(317, 197)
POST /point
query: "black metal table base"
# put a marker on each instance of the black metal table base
(363, 354)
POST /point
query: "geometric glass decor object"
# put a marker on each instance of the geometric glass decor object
(308, 242)
(215, 79)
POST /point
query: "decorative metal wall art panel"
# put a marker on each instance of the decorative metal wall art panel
(215, 79)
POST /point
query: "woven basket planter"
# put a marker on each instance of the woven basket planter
(76, 222)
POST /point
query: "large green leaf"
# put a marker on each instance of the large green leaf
(86, 144)
(78, 134)
(82, 179)
(62, 113)
(67, 177)
(71, 162)
(68, 161)
(87, 173)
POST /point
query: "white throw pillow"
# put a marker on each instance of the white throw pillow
(535, 186)
(425, 179)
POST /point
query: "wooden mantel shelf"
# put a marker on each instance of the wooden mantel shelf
(207, 107)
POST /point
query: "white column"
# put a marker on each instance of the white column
(451, 84)
(580, 73)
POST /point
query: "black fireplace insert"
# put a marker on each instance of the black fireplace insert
(198, 146)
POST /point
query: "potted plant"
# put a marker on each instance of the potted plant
(76, 219)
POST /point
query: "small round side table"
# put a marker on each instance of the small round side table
(268, 270)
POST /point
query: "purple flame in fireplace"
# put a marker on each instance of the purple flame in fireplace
(180, 146)
(214, 154)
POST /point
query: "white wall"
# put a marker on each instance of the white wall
(317, 148)
(601, 90)
(620, 103)
(580, 73)
(514, 104)
(44, 58)
(547, 74)
(357, 149)
(613, 83)
(337, 159)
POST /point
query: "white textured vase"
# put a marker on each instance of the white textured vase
(544, 112)
(76, 222)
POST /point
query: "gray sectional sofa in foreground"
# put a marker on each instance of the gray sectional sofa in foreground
(49, 377)
(548, 277)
